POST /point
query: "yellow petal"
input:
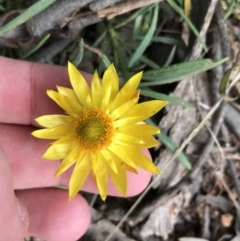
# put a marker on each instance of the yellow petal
(141, 160)
(54, 133)
(110, 78)
(69, 160)
(100, 172)
(64, 102)
(69, 139)
(54, 120)
(96, 90)
(145, 109)
(117, 113)
(126, 121)
(106, 98)
(121, 152)
(109, 159)
(79, 85)
(127, 91)
(130, 169)
(69, 93)
(120, 179)
(79, 176)
(127, 138)
(57, 151)
(149, 142)
(139, 130)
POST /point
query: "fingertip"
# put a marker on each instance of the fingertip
(53, 217)
(14, 216)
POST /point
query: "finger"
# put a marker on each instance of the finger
(13, 215)
(31, 171)
(52, 217)
(23, 88)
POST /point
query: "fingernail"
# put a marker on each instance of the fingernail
(22, 213)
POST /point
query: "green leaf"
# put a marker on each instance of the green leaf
(230, 9)
(149, 62)
(78, 58)
(165, 140)
(145, 42)
(168, 40)
(133, 16)
(106, 61)
(26, 15)
(37, 47)
(177, 72)
(188, 21)
(173, 147)
(172, 99)
(226, 78)
(119, 54)
(170, 57)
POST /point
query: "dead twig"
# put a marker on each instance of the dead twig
(124, 8)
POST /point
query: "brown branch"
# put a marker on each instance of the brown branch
(124, 8)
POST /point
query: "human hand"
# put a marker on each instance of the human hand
(47, 212)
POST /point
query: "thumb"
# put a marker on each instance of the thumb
(13, 216)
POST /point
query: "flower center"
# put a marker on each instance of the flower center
(94, 130)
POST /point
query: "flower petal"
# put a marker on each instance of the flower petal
(139, 130)
(145, 109)
(64, 102)
(57, 151)
(108, 157)
(69, 93)
(127, 91)
(69, 160)
(79, 85)
(127, 138)
(119, 179)
(54, 133)
(110, 78)
(117, 113)
(149, 142)
(79, 176)
(106, 98)
(54, 120)
(126, 121)
(142, 161)
(121, 152)
(100, 172)
(96, 91)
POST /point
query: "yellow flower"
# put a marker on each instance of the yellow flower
(102, 132)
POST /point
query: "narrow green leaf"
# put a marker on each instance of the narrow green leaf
(145, 42)
(26, 15)
(99, 39)
(188, 21)
(106, 61)
(173, 147)
(168, 40)
(165, 140)
(133, 16)
(149, 62)
(170, 57)
(2, 8)
(78, 58)
(177, 72)
(37, 47)
(230, 9)
(172, 99)
(225, 79)
(119, 55)
(137, 26)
